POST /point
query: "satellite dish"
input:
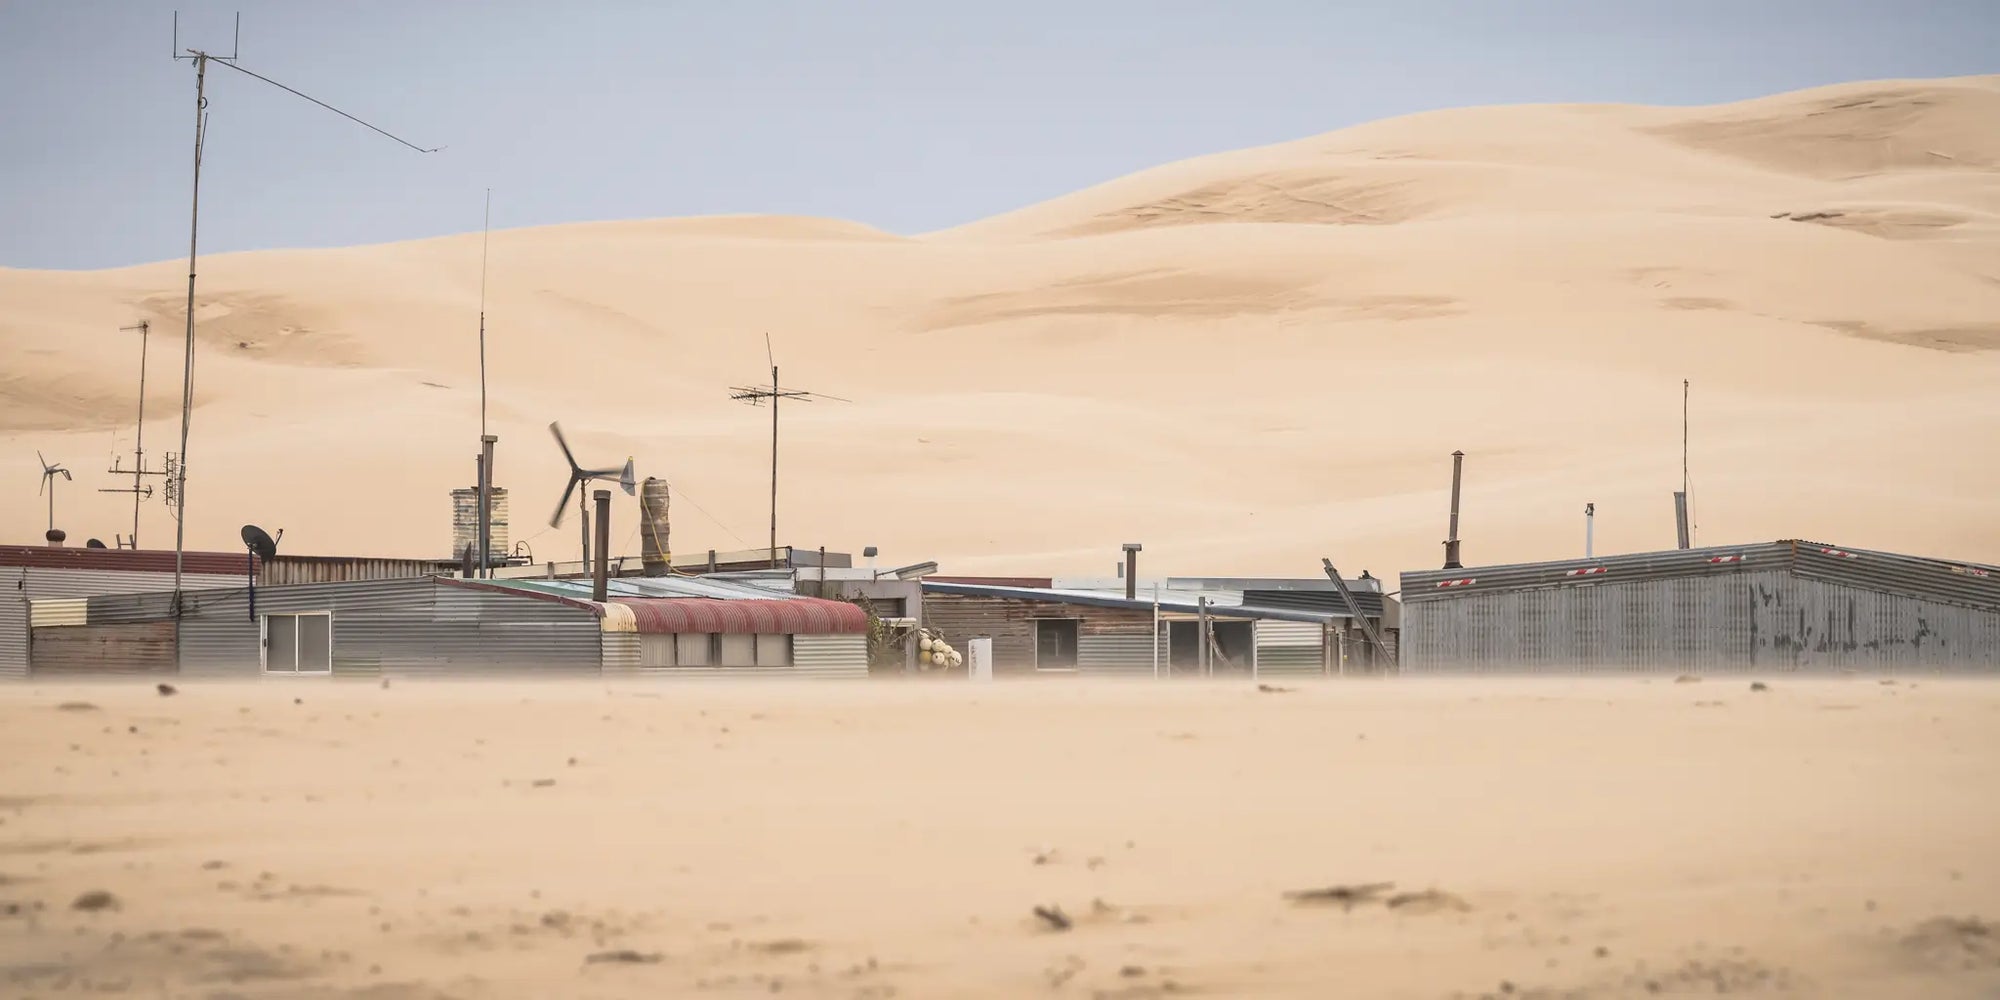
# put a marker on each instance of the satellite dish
(94, 544)
(260, 542)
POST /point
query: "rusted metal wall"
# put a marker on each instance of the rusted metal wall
(1010, 622)
(285, 569)
(24, 584)
(100, 650)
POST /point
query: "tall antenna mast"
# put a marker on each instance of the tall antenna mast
(201, 58)
(139, 490)
(1684, 460)
(485, 233)
(755, 396)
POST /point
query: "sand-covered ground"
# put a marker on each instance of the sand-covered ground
(1245, 361)
(1544, 838)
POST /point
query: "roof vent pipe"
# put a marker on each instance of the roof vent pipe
(1451, 538)
(1132, 550)
(600, 585)
(1681, 518)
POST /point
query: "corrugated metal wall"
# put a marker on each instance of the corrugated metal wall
(26, 584)
(401, 627)
(14, 627)
(620, 652)
(1124, 652)
(1010, 622)
(1747, 621)
(1291, 649)
(814, 657)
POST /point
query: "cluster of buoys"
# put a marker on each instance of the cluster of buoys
(933, 653)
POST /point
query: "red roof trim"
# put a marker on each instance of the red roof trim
(124, 560)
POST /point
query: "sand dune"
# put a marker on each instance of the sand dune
(1245, 360)
(1820, 839)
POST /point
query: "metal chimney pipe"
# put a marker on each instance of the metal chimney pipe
(1589, 529)
(1681, 517)
(601, 574)
(1451, 539)
(1132, 550)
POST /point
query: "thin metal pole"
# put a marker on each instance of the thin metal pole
(1156, 630)
(187, 363)
(774, 466)
(139, 445)
(485, 234)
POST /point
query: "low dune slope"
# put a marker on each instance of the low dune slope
(1245, 360)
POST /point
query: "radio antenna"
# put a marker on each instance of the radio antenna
(139, 490)
(755, 396)
(202, 58)
(485, 234)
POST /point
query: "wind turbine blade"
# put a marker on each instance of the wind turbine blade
(768, 355)
(556, 429)
(563, 504)
(626, 479)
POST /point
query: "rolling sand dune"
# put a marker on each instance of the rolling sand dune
(1245, 360)
(1545, 839)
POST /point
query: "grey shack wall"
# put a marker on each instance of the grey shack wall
(1761, 621)
(414, 626)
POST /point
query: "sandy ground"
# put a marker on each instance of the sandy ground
(1245, 361)
(1545, 838)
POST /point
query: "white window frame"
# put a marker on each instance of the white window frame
(264, 644)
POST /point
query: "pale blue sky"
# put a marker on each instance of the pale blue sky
(906, 115)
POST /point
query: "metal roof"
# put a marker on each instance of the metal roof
(804, 616)
(1953, 581)
(125, 560)
(676, 604)
(1179, 602)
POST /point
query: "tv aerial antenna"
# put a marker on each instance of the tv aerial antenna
(755, 396)
(49, 474)
(578, 475)
(202, 58)
(139, 489)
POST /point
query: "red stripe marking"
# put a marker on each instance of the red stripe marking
(1969, 571)
(1469, 581)
(1587, 571)
(1726, 559)
(1836, 553)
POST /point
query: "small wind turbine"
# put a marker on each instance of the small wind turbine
(578, 475)
(49, 474)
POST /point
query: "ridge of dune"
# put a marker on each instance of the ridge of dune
(1536, 157)
(1245, 360)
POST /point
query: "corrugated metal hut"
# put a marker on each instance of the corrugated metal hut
(1039, 630)
(440, 625)
(1779, 606)
(56, 575)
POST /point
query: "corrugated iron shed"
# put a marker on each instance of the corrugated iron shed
(1787, 605)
